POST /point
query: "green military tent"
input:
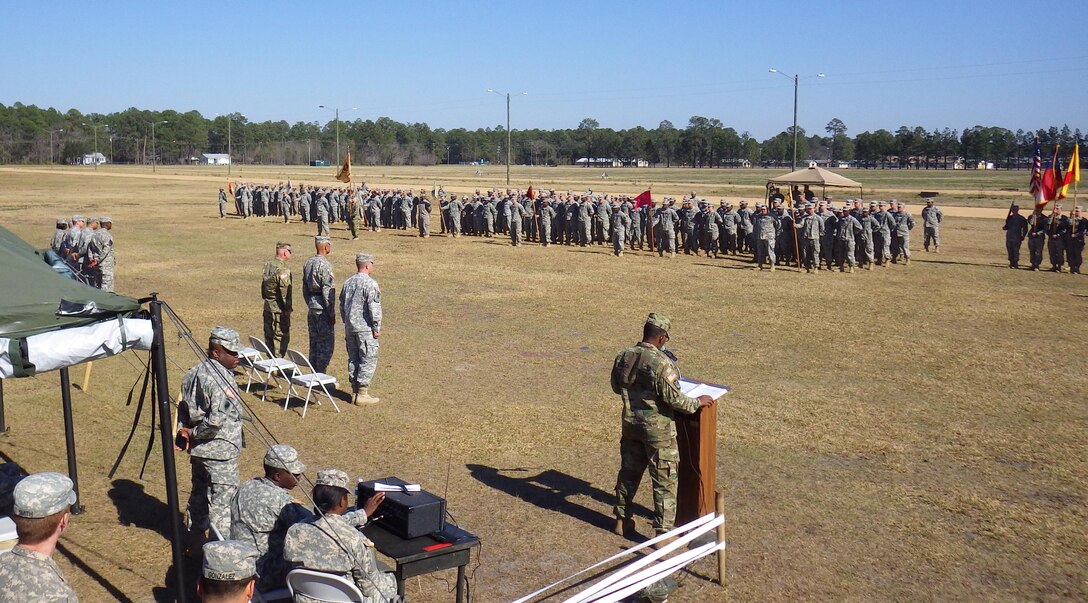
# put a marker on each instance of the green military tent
(51, 322)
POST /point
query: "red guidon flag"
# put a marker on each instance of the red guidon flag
(230, 187)
(643, 199)
(531, 194)
(344, 175)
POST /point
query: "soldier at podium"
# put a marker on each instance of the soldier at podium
(648, 382)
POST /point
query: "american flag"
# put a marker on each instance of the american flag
(1036, 186)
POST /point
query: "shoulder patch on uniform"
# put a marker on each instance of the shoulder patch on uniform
(671, 375)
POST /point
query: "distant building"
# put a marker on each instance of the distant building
(215, 158)
(607, 162)
(92, 159)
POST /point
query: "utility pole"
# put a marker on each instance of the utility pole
(508, 143)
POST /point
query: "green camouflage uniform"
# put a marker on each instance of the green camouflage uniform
(361, 312)
(276, 293)
(648, 382)
(332, 544)
(319, 292)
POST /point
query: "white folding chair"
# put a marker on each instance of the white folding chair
(323, 587)
(271, 366)
(246, 358)
(309, 380)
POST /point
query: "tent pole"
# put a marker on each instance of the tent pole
(3, 421)
(158, 360)
(70, 436)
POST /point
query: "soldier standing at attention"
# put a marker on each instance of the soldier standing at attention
(648, 382)
(361, 311)
(276, 293)
(546, 217)
(1078, 227)
(931, 223)
(100, 254)
(765, 229)
(810, 229)
(515, 218)
(423, 216)
(319, 293)
(322, 215)
(665, 230)
(210, 423)
(227, 572)
(1037, 235)
(904, 223)
(41, 514)
(222, 203)
(620, 222)
(453, 215)
(1057, 235)
(1016, 228)
(59, 234)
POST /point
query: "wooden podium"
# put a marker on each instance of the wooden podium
(697, 438)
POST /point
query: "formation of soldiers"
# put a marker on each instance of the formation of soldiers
(1061, 236)
(816, 234)
(86, 245)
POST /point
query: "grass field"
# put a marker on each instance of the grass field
(910, 433)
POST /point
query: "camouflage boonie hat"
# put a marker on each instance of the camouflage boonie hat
(363, 257)
(332, 477)
(283, 456)
(229, 560)
(43, 494)
(228, 338)
(660, 321)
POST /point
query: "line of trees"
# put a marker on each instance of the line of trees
(29, 134)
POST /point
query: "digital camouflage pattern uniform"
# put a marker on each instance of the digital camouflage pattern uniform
(26, 575)
(261, 512)
(228, 561)
(361, 312)
(214, 417)
(319, 293)
(276, 293)
(648, 382)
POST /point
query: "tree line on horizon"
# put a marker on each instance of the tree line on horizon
(29, 134)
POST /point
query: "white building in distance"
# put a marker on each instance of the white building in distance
(215, 158)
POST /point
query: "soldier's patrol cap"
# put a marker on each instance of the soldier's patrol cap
(322, 240)
(363, 257)
(62, 221)
(229, 560)
(283, 456)
(228, 338)
(660, 321)
(92, 219)
(43, 494)
(806, 205)
(881, 203)
(105, 219)
(76, 218)
(743, 202)
(332, 477)
(282, 245)
(929, 200)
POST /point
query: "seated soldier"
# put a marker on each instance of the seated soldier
(41, 515)
(263, 509)
(332, 544)
(228, 572)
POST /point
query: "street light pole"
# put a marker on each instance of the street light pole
(795, 82)
(154, 150)
(51, 133)
(336, 111)
(508, 146)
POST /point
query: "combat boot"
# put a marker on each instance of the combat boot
(851, 270)
(662, 544)
(624, 527)
(868, 266)
(364, 397)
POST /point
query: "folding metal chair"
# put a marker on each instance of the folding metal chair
(271, 366)
(323, 587)
(246, 358)
(309, 380)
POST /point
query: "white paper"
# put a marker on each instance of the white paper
(698, 388)
(380, 487)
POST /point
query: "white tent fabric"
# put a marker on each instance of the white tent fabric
(58, 349)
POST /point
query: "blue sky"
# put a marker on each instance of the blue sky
(955, 63)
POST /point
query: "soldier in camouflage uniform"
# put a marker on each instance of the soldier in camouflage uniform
(361, 311)
(41, 514)
(278, 299)
(319, 293)
(665, 230)
(322, 215)
(263, 510)
(810, 230)
(620, 222)
(765, 233)
(227, 572)
(931, 224)
(59, 235)
(453, 213)
(546, 217)
(648, 382)
(100, 254)
(333, 544)
(222, 203)
(904, 223)
(515, 219)
(423, 216)
(210, 423)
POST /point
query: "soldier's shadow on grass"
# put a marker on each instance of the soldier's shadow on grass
(550, 490)
(137, 508)
(65, 549)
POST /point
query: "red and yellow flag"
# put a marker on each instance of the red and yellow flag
(344, 175)
(1073, 175)
(230, 187)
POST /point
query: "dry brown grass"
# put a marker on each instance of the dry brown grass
(908, 433)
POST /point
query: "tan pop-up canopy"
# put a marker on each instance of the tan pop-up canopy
(815, 176)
